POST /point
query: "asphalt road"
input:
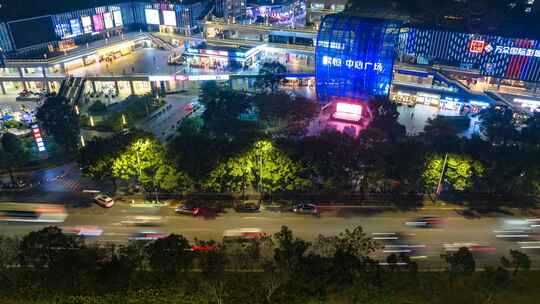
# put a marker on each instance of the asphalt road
(457, 229)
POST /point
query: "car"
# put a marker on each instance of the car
(303, 208)
(146, 236)
(243, 234)
(104, 201)
(87, 231)
(247, 207)
(188, 210)
(143, 221)
(425, 222)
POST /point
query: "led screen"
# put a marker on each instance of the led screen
(63, 30)
(87, 24)
(495, 56)
(169, 18)
(75, 27)
(355, 57)
(118, 18)
(107, 17)
(32, 31)
(152, 16)
(98, 23)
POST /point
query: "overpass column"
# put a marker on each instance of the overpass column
(21, 74)
(132, 87)
(116, 87)
(2, 87)
(45, 81)
(94, 87)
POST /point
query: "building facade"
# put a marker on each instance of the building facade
(355, 57)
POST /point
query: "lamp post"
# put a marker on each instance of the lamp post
(438, 190)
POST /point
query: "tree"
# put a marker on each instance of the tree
(441, 134)
(212, 264)
(170, 255)
(530, 134)
(270, 76)
(518, 260)
(96, 158)
(9, 249)
(460, 171)
(13, 153)
(281, 114)
(59, 119)
(44, 248)
(498, 126)
(460, 262)
(289, 252)
(265, 165)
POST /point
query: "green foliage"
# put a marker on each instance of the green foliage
(13, 154)
(518, 260)
(97, 107)
(283, 115)
(145, 161)
(498, 125)
(270, 76)
(460, 262)
(265, 165)
(170, 255)
(460, 171)
(97, 157)
(58, 118)
(45, 248)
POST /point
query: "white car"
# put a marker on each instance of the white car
(104, 201)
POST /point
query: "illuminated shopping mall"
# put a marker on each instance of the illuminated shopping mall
(134, 46)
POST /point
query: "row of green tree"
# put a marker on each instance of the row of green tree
(261, 141)
(48, 266)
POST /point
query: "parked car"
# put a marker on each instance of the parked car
(304, 208)
(247, 207)
(104, 201)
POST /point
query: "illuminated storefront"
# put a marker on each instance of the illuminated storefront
(217, 57)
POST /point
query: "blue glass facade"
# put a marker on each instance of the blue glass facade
(355, 57)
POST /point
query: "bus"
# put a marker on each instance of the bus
(32, 212)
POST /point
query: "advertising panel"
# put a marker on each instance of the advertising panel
(169, 18)
(86, 24)
(107, 17)
(118, 18)
(501, 57)
(152, 16)
(98, 23)
(355, 57)
(75, 27)
(63, 30)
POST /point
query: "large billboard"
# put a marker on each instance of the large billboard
(169, 18)
(32, 31)
(495, 56)
(355, 57)
(152, 16)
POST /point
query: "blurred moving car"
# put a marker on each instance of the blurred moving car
(304, 208)
(425, 222)
(104, 201)
(83, 230)
(247, 207)
(146, 236)
(31, 212)
(243, 234)
(144, 221)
